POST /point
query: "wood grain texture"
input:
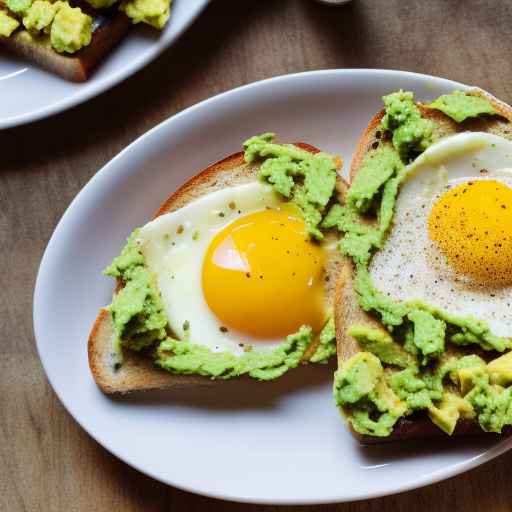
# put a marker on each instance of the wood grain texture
(47, 463)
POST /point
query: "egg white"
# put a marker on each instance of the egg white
(174, 246)
(410, 267)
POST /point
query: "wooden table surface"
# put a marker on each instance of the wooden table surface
(47, 463)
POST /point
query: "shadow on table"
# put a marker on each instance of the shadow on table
(237, 394)
(344, 31)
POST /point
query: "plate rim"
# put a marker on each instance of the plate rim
(107, 83)
(439, 475)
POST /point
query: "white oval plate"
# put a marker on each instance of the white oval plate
(277, 442)
(34, 94)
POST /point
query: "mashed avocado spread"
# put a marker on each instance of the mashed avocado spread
(410, 133)
(69, 28)
(407, 368)
(137, 311)
(151, 12)
(8, 24)
(40, 15)
(284, 164)
(460, 106)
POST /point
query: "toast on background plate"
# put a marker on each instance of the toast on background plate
(118, 368)
(386, 328)
(110, 27)
(70, 39)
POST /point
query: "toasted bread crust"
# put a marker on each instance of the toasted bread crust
(182, 195)
(138, 372)
(111, 27)
(347, 310)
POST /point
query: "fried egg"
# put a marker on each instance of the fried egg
(451, 242)
(236, 269)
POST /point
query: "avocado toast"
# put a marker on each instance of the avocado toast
(109, 27)
(133, 370)
(407, 370)
(70, 39)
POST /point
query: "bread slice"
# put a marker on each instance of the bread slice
(138, 372)
(109, 27)
(347, 310)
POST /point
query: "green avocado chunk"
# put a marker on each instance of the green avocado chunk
(461, 106)
(327, 343)
(137, 310)
(71, 29)
(411, 133)
(360, 385)
(357, 377)
(377, 168)
(284, 165)
(131, 256)
(381, 344)
(152, 12)
(18, 6)
(40, 15)
(492, 403)
(500, 370)
(8, 24)
(447, 413)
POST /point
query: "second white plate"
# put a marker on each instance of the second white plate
(34, 94)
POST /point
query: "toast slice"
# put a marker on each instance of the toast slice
(138, 372)
(347, 310)
(109, 27)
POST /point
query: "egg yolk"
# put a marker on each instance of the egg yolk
(472, 226)
(263, 276)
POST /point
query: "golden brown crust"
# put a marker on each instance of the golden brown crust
(138, 372)
(347, 310)
(111, 27)
(182, 195)
(364, 143)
